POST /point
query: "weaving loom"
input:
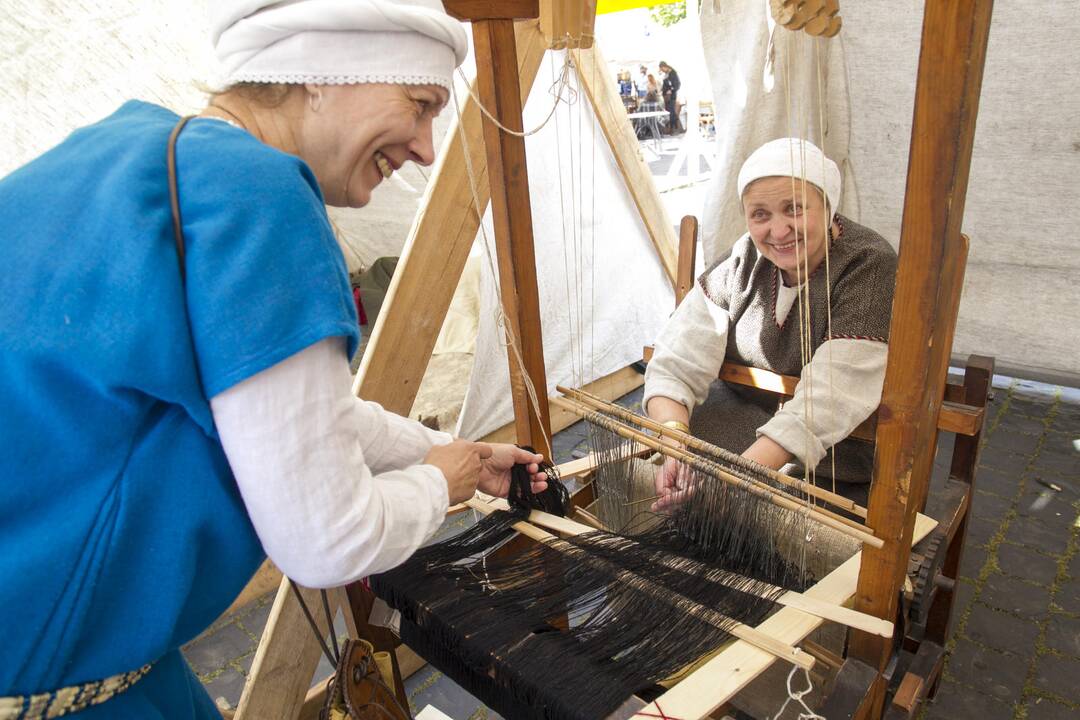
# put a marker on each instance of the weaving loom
(591, 578)
(573, 627)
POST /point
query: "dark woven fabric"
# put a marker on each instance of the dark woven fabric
(862, 275)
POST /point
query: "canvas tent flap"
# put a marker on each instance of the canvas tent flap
(603, 292)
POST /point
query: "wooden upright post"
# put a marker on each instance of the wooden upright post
(946, 104)
(497, 83)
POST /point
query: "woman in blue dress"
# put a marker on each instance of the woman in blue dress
(167, 419)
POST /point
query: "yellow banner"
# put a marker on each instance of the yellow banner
(610, 6)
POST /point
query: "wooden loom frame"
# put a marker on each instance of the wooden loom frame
(932, 252)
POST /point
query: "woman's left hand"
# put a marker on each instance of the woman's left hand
(495, 470)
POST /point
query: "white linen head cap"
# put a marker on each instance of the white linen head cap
(784, 157)
(336, 42)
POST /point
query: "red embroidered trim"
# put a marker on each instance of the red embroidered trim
(705, 290)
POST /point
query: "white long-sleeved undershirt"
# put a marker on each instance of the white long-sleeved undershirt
(840, 386)
(334, 485)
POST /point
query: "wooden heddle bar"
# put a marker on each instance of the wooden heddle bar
(713, 469)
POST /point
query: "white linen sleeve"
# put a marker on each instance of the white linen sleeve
(838, 403)
(299, 442)
(689, 352)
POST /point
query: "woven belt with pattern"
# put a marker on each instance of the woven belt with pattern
(64, 701)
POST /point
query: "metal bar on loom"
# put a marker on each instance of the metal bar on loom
(861, 533)
(799, 601)
(755, 637)
(698, 444)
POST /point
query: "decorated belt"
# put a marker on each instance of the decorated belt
(64, 701)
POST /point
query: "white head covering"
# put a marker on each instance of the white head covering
(784, 158)
(335, 42)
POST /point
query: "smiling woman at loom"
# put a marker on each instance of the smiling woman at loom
(805, 292)
(176, 397)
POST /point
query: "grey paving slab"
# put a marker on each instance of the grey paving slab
(1024, 563)
(1051, 502)
(209, 653)
(1058, 676)
(954, 702)
(1000, 631)
(1015, 596)
(965, 593)
(980, 530)
(1067, 597)
(1015, 422)
(228, 685)
(1017, 441)
(988, 506)
(1021, 405)
(1000, 482)
(997, 674)
(1045, 709)
(972, 561)
(1002, 460)
(1058, 456)
(1036, 535)
(1063, 635)
(254, 621)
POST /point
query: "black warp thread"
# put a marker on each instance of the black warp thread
(498, 625)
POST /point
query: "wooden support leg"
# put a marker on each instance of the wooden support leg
(946, 104)
(497, 83)
(285, 660)
(965, 458)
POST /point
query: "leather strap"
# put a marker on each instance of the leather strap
(174, 195)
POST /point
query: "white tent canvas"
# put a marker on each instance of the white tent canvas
(1019, 211)
(603, 292)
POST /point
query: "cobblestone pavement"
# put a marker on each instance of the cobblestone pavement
(1015, 651)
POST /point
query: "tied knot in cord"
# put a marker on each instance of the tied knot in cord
(797, 696)
(555, 499)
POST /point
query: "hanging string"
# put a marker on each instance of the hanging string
(798, 696)
(501, 318)
(822, 114)
(557, 88)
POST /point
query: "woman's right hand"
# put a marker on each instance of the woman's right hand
(673, 483)
(460, 464)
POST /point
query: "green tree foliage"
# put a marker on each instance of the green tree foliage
(669, 14)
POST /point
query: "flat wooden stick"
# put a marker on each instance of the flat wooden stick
(758, 639)
(698, 444)
(860, 533)
(799, 601)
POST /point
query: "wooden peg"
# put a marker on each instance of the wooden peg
(818, 25)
